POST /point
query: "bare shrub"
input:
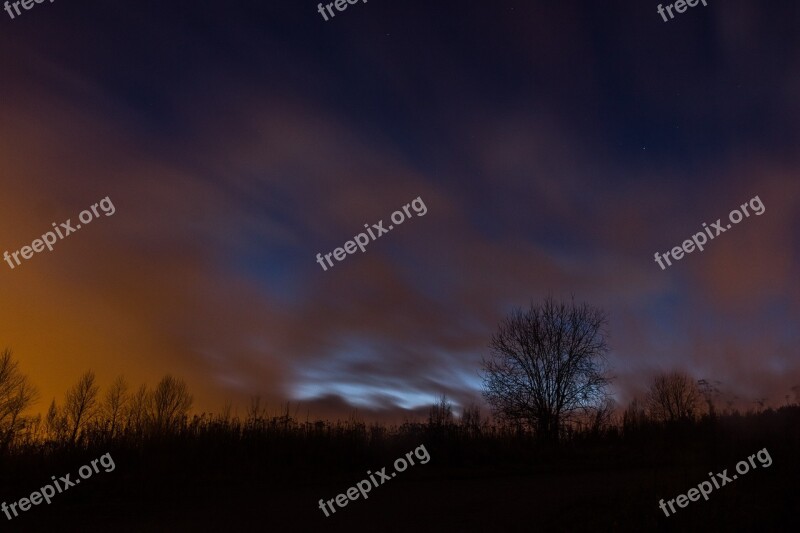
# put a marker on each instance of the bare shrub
(673, 396)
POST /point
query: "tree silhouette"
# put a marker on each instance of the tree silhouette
(673, 396)
(136, 413)
(80, 406)
(441, 414)
(709, 391)
(546, 365)
(16, 395)
(634, 417)
(55, 424)
(602, 417)
(169, 404)
(114, 404)
(471, 419)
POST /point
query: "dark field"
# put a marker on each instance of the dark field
(232, 477)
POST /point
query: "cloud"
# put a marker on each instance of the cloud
(229, 177)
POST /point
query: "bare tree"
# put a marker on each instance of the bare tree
(547, 365)
(114, 404)
(634, 416)
(16, 395)
(136, 412)
(441, 414)
(471, 419)
(602, 417)
(709, 392)
(55, 423)
(81, 405)
(169, 404)
(673, 396)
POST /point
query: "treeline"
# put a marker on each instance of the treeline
(177, 465)
(85, 416)
(128, 418)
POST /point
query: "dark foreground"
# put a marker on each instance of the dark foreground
(607, 483)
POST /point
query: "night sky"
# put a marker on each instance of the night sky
(556, 146)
